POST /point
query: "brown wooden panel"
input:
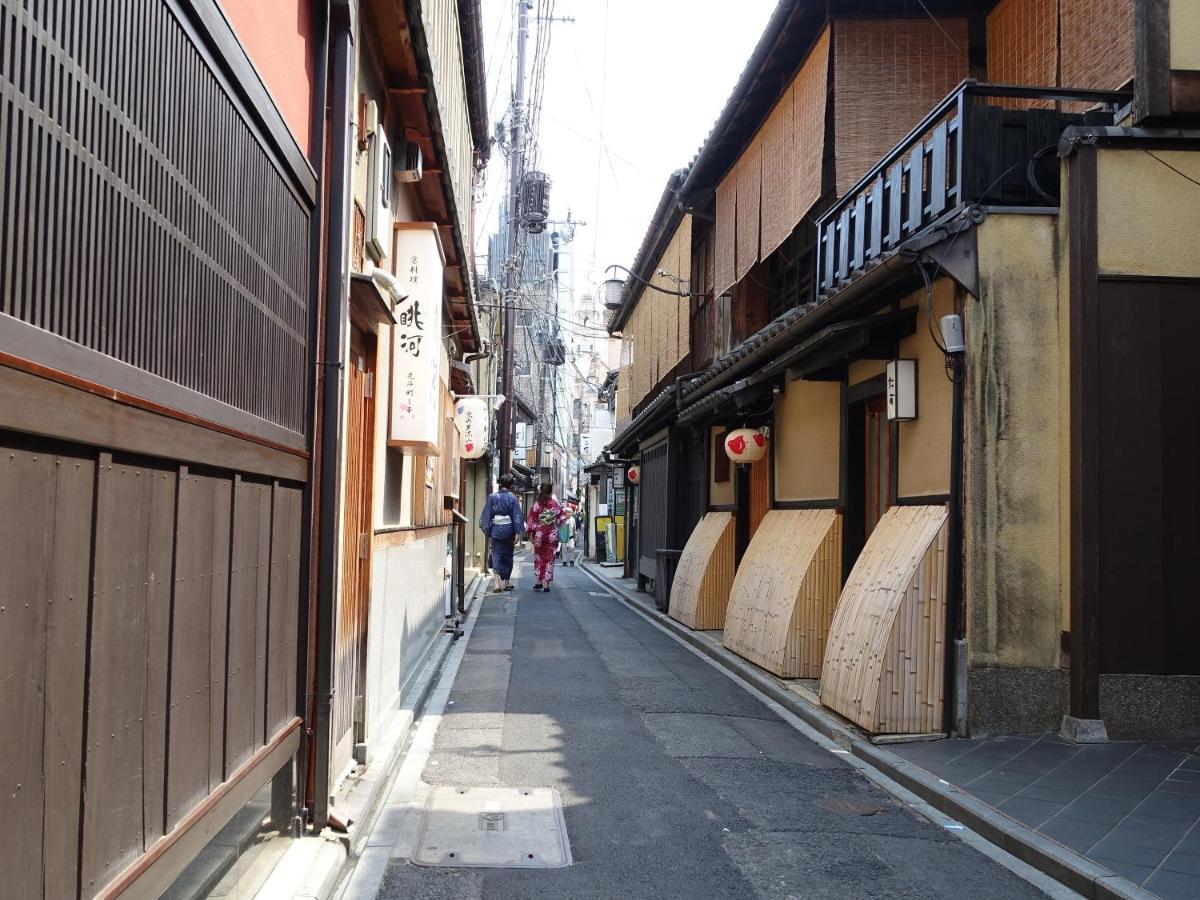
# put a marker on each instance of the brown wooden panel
(37, 405)
(249, 572)
(1150, 482)
(66, 653)
(126, 696)
(218, 629)
(285, 588)
(27, 482)
(202, 539)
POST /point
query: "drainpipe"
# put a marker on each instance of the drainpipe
(955, 710)
(304, 681)
(342, 21)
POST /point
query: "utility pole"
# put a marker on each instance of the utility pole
(516, 159)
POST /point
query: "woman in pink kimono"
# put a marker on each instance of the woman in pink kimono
(545, 515)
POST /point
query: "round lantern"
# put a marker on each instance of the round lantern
(633, 474)
(745, 445)
(472, 415)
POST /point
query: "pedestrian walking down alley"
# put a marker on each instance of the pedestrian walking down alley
(675, 780)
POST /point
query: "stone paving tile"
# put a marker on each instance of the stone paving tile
(1132, 807)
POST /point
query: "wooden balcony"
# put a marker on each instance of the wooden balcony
(984, 145)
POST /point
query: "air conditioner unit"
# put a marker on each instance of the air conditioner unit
(409, 161)
(379, 200)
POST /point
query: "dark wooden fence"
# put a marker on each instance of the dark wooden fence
(154, 363)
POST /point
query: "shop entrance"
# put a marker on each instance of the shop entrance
(870, 467)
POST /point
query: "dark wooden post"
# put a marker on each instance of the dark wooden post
(1085, 444)
(741, 515)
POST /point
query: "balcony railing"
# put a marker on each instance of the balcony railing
(979, 146)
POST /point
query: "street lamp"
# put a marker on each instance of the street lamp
(612, 289)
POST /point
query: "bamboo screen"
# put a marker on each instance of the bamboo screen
(1097, 43)
(1022, 43)
(793, 143)
(749, 195)
(887, 75)
(726, 233)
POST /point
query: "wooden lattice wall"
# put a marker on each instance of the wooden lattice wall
(884, 658)
(785, 592)
(700, 592)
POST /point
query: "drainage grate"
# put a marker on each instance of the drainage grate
(488, 827)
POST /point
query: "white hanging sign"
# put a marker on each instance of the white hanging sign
(416, 339)
(902, 390)
(472, 415)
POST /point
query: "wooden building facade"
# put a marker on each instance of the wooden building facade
(875, 172)
(175, 613)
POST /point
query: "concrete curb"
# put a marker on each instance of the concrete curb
(361, 800)
(1065, 866)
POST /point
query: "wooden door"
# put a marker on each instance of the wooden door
(879, 472)
(350, 657)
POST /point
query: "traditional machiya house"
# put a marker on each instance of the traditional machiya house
(417, 130)
(940, 282)
(157, 305)
(206, 496)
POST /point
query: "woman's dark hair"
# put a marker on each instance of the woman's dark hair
(506, 482)
(545, 489)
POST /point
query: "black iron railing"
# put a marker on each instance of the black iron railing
(980, 145)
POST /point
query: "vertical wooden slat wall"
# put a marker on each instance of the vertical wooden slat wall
(785, 592)
(140, 214)
(700, 591)
(884, 658)
(725, 233)
(749, 197)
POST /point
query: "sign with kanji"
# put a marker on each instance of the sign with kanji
(472, 415)
(416, 339)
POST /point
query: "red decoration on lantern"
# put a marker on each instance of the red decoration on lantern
(745, 445)
(633, 474)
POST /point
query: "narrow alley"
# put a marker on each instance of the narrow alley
(675, 780)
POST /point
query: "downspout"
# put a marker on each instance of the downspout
(342, 18)
(955, 710)
(304, 680)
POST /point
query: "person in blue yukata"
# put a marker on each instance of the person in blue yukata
(503, 523)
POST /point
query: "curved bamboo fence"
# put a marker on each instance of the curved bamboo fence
(700, 591)
(785, 592)
(884, 657)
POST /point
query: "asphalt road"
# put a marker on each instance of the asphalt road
(675, 781)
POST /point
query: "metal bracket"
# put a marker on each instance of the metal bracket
(958, 256)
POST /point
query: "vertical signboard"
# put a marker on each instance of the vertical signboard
(415, 421)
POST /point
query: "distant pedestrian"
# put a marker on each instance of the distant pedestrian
(566, 540)
(545, 517)
(503, 523)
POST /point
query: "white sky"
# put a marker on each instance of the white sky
(615, 124)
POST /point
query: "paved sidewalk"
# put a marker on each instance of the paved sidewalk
(676, 782)
(1132, 807)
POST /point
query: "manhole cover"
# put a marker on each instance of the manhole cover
(846, 806)
(521, 828)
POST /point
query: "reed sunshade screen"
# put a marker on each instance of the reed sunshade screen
(887, 75)
(777, 179)
(1072, 43)
(793, 144)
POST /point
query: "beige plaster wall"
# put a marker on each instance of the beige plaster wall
(864, 370)
(1184, 20)
(1013, 415)
(1148, 220)
(924, 443)
(807, 441)
(720, 493)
